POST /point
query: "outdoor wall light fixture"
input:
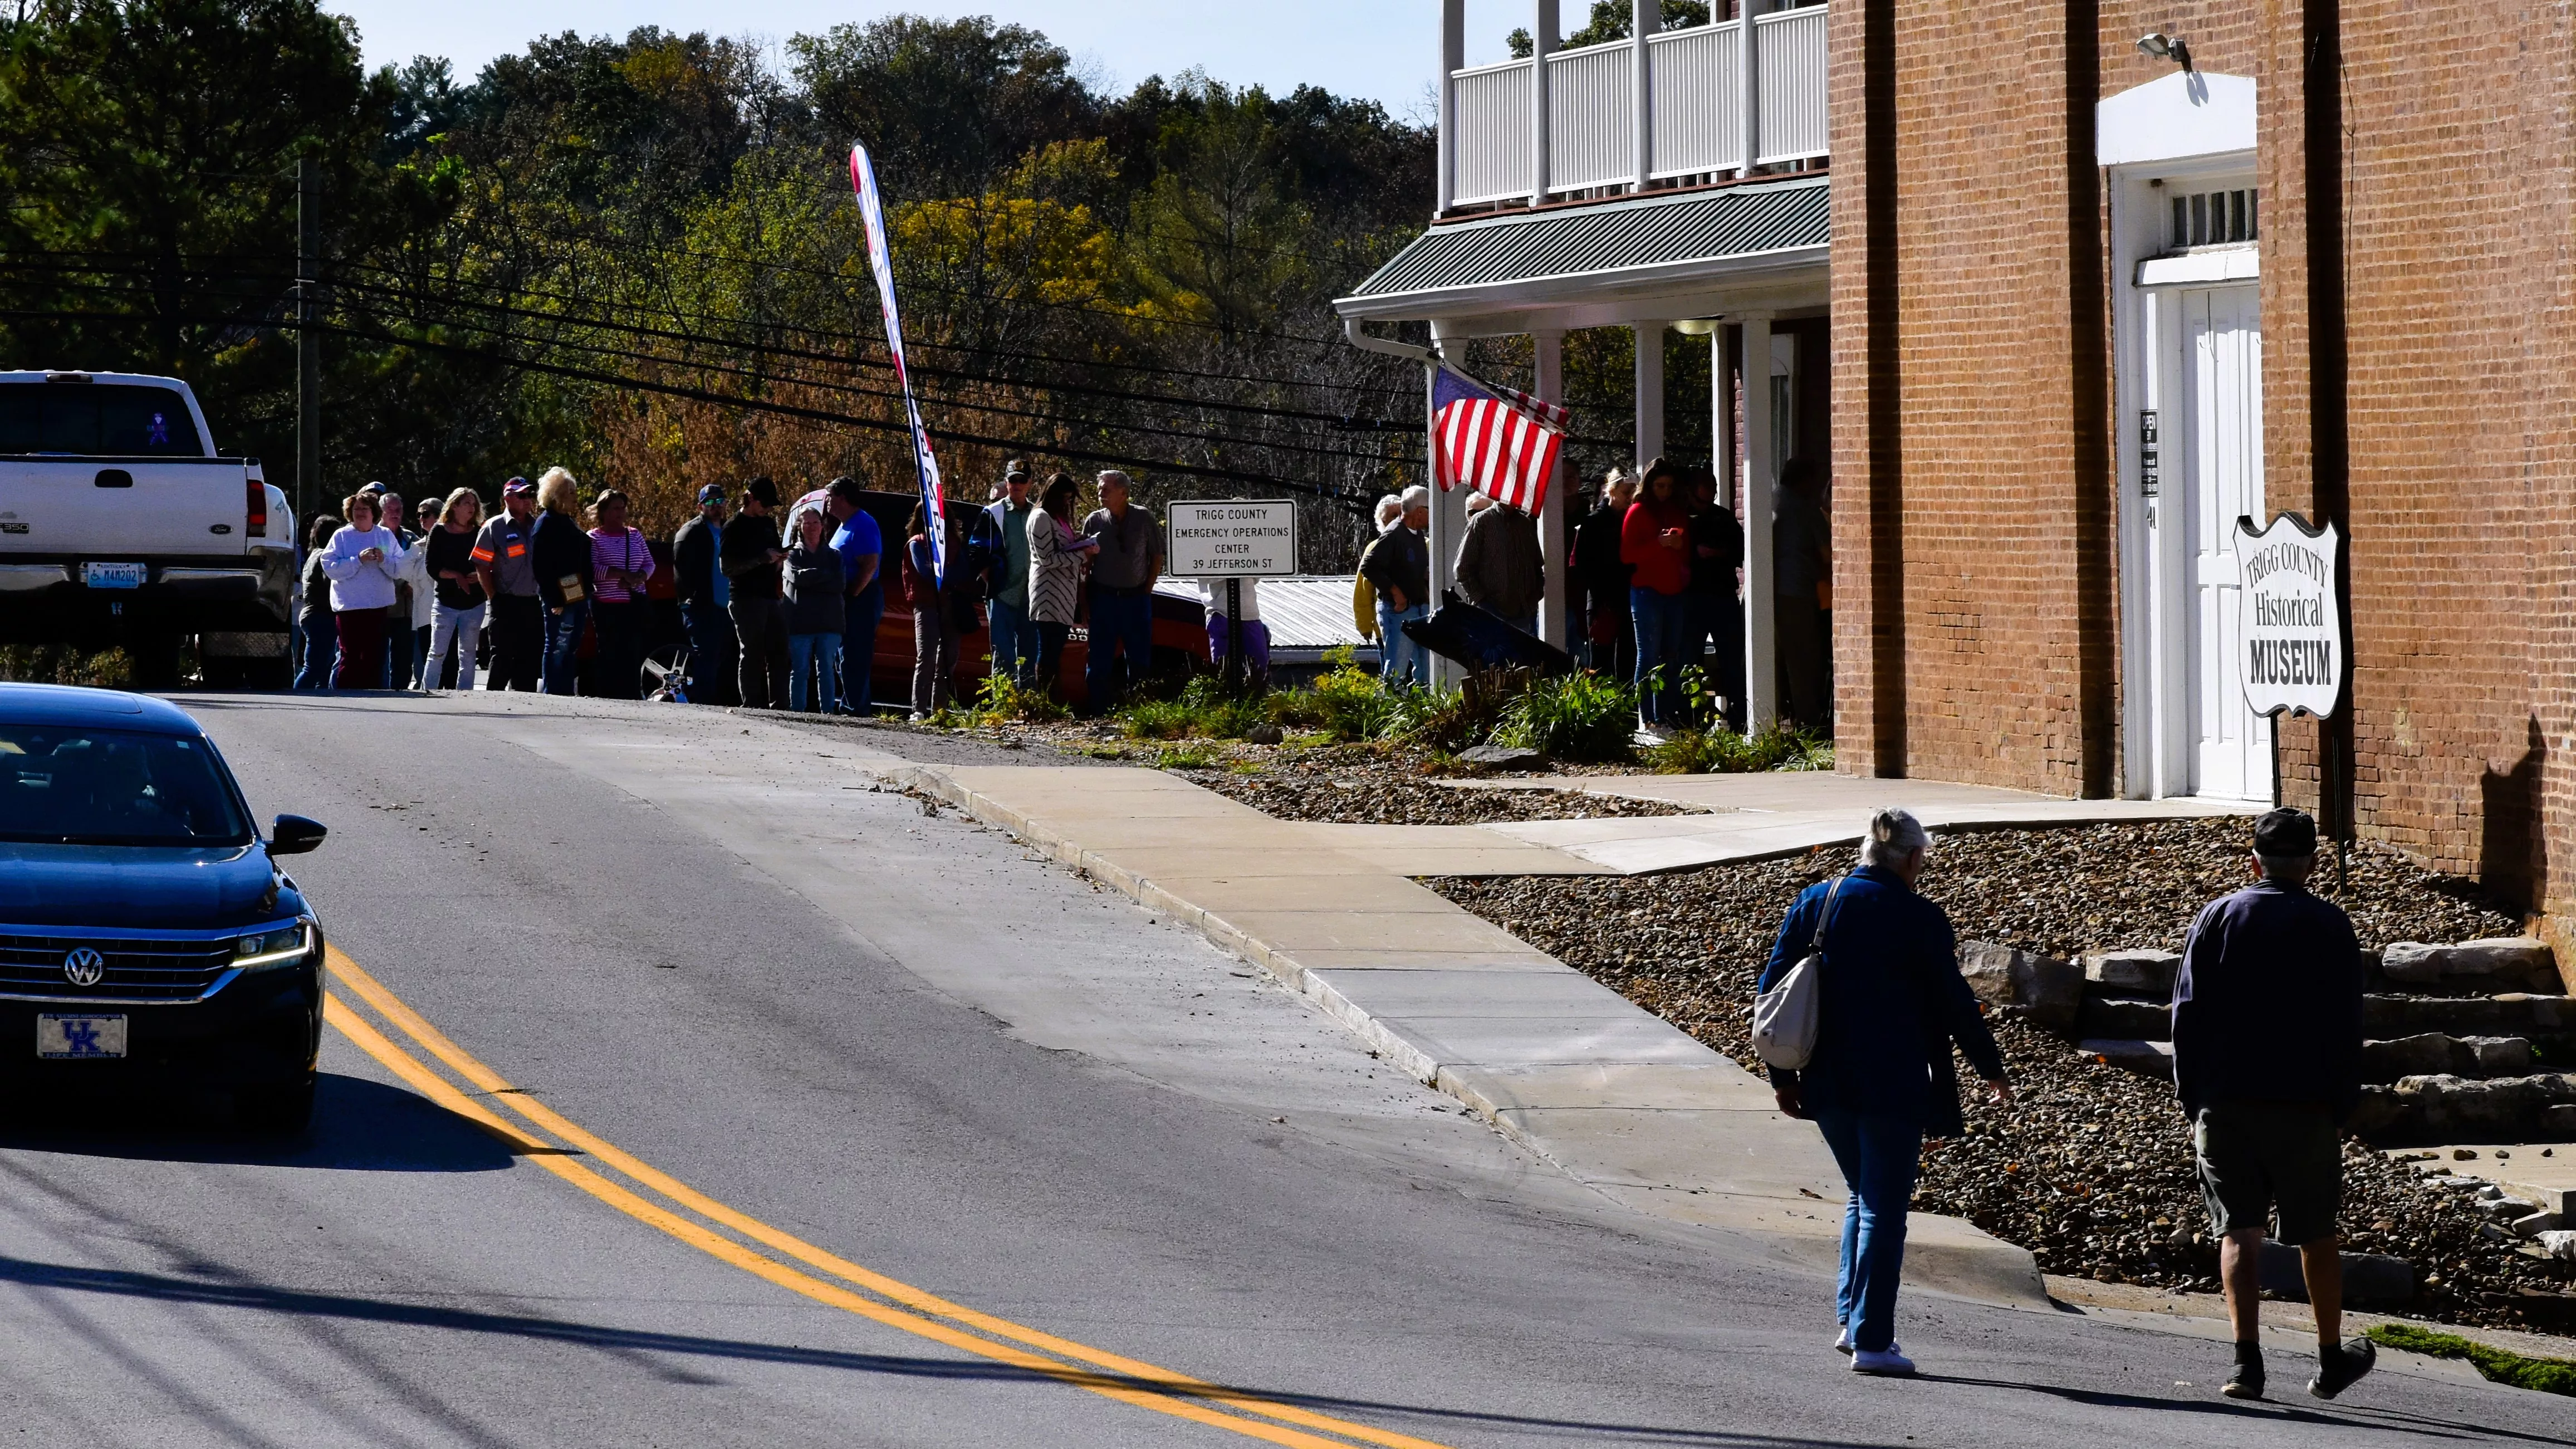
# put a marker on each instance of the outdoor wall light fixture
(2170, 47)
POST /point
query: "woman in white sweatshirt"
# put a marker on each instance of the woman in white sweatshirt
(362, 561)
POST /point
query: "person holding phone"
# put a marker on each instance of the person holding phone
(363, 561)
(1654, 542)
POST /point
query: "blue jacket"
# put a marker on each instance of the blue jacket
(1893, 1001)
(2267, 1007)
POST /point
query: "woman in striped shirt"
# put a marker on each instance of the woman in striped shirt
(620, 562)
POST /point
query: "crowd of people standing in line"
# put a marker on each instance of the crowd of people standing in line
(1657, 569)
(779, 603)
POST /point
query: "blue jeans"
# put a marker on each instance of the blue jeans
(1015, 643)
(1878, 1153)
(563, 646)
(1663, 627)
(710, 678)
(398, 650)
(1400, 660)
(821, 655)
(321, 649)
(859, 648)
(1120, 623)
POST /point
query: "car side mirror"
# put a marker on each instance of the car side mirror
(294, 835)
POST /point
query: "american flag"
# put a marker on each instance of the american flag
(1497, 441)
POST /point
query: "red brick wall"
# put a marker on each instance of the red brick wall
(1968, 299)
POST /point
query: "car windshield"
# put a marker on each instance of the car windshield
(97, 419)
(73, 785)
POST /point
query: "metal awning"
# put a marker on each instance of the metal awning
(1675, 245)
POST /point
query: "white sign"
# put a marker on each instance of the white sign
(2293, 633)
(1231, 538)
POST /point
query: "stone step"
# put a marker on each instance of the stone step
(2446, 1108)
(2123, 1018)
(2388, 1017)
(2433, 1053)
(2511, 963)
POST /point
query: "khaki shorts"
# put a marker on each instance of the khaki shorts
(2259, 1156)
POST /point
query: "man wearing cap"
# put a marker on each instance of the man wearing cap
(703, 594)
(1398, 566)
(1122, 594)
(1015, 638)
(509, 574)
(2267, 1061)
(861, 545)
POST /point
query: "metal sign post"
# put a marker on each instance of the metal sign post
(1231, 539)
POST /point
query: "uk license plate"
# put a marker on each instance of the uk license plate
(112, 575)
(79, 1038)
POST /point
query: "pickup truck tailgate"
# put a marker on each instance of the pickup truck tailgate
(111, 508)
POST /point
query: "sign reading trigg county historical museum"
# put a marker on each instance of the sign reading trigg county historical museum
(1231, 538)
(2293, 633)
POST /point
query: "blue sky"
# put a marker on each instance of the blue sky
(1381, 49)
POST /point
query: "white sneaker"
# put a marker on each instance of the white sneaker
(1842, 1339)
(1891, 1363)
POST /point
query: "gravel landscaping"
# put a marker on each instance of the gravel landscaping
(1362, 786)
(2092, 1169)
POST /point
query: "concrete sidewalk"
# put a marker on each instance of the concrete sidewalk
(1623, 1101)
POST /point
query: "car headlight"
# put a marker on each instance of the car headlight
(273, 948)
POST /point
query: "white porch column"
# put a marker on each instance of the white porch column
(1761, 639)
(1647, 17)
(1650, 390)
(1543, 38)
(1748, 80)
(1547, 350)
(1453, 58)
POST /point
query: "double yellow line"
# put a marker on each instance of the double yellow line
(838, 1282)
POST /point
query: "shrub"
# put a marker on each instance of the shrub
(62, 664)
(1579, 716)
(1004, 698)
(1721, 751)
(1347, 704)
(1204, 708)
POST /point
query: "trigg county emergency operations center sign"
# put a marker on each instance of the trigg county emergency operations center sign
(2292, 631)
(1231, 538)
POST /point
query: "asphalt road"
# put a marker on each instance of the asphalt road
(950, 1149)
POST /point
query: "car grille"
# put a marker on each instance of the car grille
(136, 970)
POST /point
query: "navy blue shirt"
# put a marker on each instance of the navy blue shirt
(1892, 1002)
(2267, 1007)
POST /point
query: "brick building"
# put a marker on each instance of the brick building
(2330, 259)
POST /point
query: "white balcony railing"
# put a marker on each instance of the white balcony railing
(1510, 132)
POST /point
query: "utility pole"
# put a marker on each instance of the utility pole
(308, 345)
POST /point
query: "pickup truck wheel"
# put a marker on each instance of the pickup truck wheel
(275, 1111)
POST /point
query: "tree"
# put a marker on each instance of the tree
(945, 107)
(1612, 20)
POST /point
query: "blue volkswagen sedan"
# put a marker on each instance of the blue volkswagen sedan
(148, 938)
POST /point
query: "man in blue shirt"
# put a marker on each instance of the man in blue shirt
(862, 548)
(704, 590)
(2267, 1061)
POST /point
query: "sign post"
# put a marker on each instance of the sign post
(1231, 539)
(2296, 651)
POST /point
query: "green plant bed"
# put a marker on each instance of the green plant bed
(1722, 751)
(1579, 716)
(2547, 1375)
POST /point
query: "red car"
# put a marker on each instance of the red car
(1180, 625)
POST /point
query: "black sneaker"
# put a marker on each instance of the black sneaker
(2340, 1368)
(2245, 1381)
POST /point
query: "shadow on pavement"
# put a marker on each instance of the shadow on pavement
(2348, 1416)
(358, 1126)
(260, 1299)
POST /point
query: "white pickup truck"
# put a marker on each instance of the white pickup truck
(119, 525)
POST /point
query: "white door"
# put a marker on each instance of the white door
(2222, 456)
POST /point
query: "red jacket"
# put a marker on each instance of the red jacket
(1664, 570)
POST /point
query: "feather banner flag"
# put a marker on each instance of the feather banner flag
(1500, 442)
(863, 179)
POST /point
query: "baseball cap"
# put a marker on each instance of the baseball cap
(1016, 468)
(2285, 834)
(519, 488)
(762, 491)
(374, 490)
(712, 493)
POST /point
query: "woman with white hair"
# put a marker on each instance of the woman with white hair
(1890, 1001)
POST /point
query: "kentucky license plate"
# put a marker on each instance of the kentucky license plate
(112, 575)
(79, 1037)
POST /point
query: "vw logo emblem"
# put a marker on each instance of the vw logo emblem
(84, 967)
